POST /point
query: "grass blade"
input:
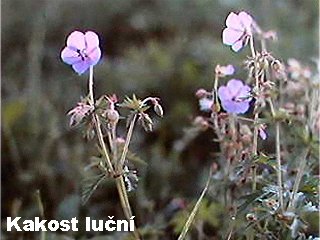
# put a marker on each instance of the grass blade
(195, 209)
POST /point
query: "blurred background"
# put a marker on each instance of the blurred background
(163, 48)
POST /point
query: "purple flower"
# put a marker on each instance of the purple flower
(262, 133)
(223, 71)
(237, 31)
(82, 51)
(235, 97)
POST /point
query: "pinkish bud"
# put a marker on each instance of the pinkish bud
(201, 93)
(112, 116)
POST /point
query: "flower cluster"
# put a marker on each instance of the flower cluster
(281, 96)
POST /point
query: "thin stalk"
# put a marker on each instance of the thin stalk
(98, 123)
(119, 180)
(194, 211)
(91, 95)
(253, 53)
(278, 156)
(41, 210)
(115, 146)
(296, 184)
(126, 145)
(256, 117)
(103, 144)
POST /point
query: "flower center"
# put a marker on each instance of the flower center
(83, 54)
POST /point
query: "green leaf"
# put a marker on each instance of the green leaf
(89, 185)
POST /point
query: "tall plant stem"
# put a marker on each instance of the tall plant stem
(278, 157)
(256, 117)
(126, 145)
(98, 124)
(124, 200)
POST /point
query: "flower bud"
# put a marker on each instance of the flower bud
(158, 109)
(112, 116)
(201, 93)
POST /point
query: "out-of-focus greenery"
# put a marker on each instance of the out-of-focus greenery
(164, 48)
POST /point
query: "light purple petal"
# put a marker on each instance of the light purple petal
(262, 134)
(235, 86)
(81, 67)
(230, 36)
(76, 39)
(92, 39)
(237, 45)
(205, 104)
(94, 56)
(245, 19)
(69, 56)
(228, 70)
(224, 93)
(243, 107)
(229, 106)
(235, 107)
(233, 21)
(244, 92)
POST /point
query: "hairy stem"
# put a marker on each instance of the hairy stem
(126, 145)
(256, 117)
(119, 180)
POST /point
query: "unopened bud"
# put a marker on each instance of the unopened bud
(201, 93)
(158, 109)
(112, 116)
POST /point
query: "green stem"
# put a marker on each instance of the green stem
(253, 53)
(91, 95)
(119, 180)
(278, 156)
(256, 117)
(300, 172)
(102, 144)
(41, 210)
(126, 145)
